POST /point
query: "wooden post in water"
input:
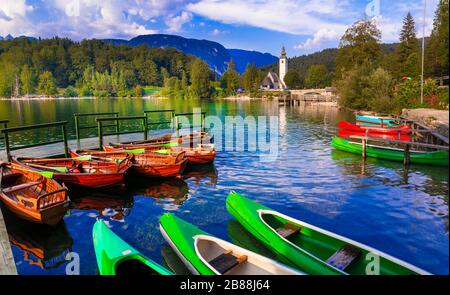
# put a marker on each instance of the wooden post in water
(406, 157)
(77, 130)
(144, 121)
(64, 135)
(100, 135)
(7, 147)
(364, 143)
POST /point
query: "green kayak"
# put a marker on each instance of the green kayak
(207, 255)
(116, 257)
(312, 249)
(439, 158)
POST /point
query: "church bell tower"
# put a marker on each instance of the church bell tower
(283, 67)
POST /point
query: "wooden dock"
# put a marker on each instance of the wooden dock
(7, 264)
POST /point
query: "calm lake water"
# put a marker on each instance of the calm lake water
(401, 212)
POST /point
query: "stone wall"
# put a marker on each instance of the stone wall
(434, 119)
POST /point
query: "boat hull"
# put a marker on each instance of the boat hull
(111, 252)
(438, 158)
(374, 130)
(311, 247)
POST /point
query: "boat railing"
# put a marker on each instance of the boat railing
(7, 131)
(164, 121)
(79, 127)
(100, 127)
(52, 198)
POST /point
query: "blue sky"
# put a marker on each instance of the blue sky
(303, 26)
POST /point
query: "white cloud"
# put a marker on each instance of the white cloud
(301, 17)
(321, 36)
(176, 22)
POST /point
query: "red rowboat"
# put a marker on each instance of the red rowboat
(32, 196)
(202, 154)
(146, 164)
(80, 173)
(345, 134)
(402, 129)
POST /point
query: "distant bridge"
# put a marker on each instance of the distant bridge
(313, 95)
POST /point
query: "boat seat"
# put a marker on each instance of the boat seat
(226, 261)
(342, 258)
(20, 187)
(288, 230)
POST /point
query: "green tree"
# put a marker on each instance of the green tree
(251, 79)
(70, 92)
(292, 79)
(359, 44)
(200, 79)
(408, 41)
(316, 77)
(46, 85)
(27, 80)
(437, 49)
(231, 80)
(411, 67)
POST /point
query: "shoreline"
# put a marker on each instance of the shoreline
(78, 98)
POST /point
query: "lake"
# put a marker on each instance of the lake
(401, 212)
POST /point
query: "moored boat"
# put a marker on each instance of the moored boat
(116, 257)
(377, 120)
(346, 134)
(439, 158)
(144, 164)
(172, 139)
(202, 154)
(31, 196)
(78, 173)
(312, 249)
(208, 255)
(402, 129)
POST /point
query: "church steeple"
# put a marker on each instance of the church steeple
(283, 53)
(283, 67)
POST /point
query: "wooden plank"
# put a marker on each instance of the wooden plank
(419, 144)
(7, 264)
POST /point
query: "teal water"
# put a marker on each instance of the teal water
(401, 212)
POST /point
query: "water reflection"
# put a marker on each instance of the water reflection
(42, 246)
(114, 207)
(173, 262)
(202, 174)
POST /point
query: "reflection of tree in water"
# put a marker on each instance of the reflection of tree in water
(206, 174)
(115, 206)
(41, 245)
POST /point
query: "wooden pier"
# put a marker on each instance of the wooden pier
(7, 264)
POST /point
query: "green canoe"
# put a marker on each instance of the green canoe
(312, 249)
(439, 158)
(116, 257)
(207, 255)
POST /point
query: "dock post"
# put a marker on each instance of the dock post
(77, 130)
(117, 124)
(364, 143)
(144, 121)
(406, 157)
(100, 134)
(7, 147)
(64, 135)
(177, 127)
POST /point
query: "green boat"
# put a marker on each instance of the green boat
(116, 257)
(207, 255)
(312, 249)
(439, 158)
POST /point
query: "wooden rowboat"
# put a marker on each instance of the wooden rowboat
(144, 164)
(402, 129)
(31, 196)
(346, 134)
(79, 173)
(205, 254)
(202, 154)
(171, 139)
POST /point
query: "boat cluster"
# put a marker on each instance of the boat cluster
(385, 138)
(299, 247)
(37, 189)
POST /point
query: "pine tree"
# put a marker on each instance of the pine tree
(200, 79)
(437, 49)
(408, 43)
(231, 79)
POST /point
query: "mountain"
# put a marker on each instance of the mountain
(9, 37)
(243, 57)
(215, 54)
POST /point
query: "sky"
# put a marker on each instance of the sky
(302, 26)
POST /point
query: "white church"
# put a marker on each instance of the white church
(274, 81)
